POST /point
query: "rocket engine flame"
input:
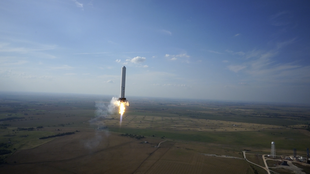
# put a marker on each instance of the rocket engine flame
(122, 108)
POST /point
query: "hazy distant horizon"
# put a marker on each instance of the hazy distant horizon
(150, 98)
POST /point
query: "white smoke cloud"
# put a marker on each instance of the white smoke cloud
(102, 112)
(112, 106)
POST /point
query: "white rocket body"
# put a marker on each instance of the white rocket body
(123, 81)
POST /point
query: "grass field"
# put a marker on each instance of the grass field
(191, 128)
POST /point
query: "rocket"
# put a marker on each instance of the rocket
(123, 80)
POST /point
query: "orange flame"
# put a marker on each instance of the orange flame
(122, 107)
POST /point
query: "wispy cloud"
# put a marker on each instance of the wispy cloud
(78, 4)
(240, 53)
(261, 64)
(63, 67)
(280, 19)
(7, 47)
(166, 32)
(285, 43)
(28, 48)
(92, 53)
(183, 57)
(70, 74)
(5, 62)
(236, 68)
(113, 43)
(215, 52)
(118, 60)
(171, 85)
(22, 75)
(21, 62)
(237, 34)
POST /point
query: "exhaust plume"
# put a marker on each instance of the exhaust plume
(102, 112)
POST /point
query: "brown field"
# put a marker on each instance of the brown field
(79, 153)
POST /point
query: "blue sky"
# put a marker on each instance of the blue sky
(218, 50)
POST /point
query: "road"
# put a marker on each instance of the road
(222, 156)
(266, 166)
(160, 143)
(264, 159)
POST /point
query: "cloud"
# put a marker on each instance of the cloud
(285, 43)
(236, 68)
(78, 4)
(240, 53)
(171, 85)
(215, 52)
(5, 47)
(63, 67)
(136, 60)
(266, 70)
(260, 64)
(70, 74)
(281, 19)
(253, 54)
(225, 61)
(118, 60)
(166, 32)
(20, 62)
(113, 43)
(183, 57)
(259, 60)
(110, 81)
(28, 48)
(92, 53)
(21, 75)
(237, 34)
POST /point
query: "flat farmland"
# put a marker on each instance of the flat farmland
(81, 134)
(117, 154)
(186, 124)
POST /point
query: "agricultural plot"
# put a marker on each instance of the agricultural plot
(189, 129)
(186, 124)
